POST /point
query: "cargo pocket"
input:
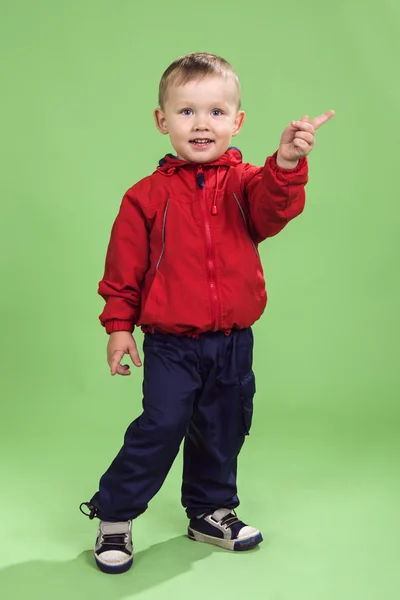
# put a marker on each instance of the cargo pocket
(247, 391)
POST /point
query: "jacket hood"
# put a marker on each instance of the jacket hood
(170, 163)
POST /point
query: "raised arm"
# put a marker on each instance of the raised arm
(276, 192)
(275, 196)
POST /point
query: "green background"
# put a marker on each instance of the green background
(320, 472)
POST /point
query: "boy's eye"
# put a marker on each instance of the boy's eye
(186, 111)
(216, 112)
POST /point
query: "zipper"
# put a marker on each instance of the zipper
(163, 235)
(246, 226)
(210, 253)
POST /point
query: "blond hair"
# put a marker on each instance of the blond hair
(194, 66)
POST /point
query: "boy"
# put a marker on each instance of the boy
(183, 264)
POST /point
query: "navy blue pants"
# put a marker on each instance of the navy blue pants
(197, 390)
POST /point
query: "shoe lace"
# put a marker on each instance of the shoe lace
(230, 519)
(114, 539)
(92, 510)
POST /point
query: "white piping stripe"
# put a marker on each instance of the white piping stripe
(245, 224)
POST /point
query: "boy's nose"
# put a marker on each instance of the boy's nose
(201, 126)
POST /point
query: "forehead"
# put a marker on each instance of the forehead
(210, 90)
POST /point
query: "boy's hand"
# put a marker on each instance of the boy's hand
(119, 344)
(298, 140)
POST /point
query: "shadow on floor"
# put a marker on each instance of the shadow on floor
(79, 579)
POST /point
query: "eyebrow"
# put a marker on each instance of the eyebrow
(184, 104)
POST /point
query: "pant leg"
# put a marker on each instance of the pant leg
(221, 419)
(171, 384)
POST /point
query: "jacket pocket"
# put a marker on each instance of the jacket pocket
(152, 291)
(247, 392)
(164, 224)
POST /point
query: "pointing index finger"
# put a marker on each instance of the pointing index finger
(318, 121)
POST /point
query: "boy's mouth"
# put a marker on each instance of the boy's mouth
(201, 142)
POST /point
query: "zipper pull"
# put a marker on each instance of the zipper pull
(200, 179)
(214, 210)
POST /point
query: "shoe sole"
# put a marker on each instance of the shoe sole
(232, 545)
(113, 569)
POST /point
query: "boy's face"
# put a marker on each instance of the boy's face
(201, 117)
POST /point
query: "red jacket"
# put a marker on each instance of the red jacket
(183, 255)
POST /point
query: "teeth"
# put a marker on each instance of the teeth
(201, 141)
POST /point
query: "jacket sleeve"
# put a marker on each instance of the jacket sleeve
(275, 195)
(127, 261)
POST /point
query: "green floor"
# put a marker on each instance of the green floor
(326, 501)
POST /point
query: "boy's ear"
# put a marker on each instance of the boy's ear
(240, 118)
(161, 122)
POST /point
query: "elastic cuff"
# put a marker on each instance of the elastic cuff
(118, 325)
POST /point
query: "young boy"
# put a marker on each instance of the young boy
(183, 264)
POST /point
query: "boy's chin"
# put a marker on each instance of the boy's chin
(199, 157)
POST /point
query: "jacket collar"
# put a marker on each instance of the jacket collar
(170, 163)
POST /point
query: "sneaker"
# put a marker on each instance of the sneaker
(113, 551)
(223, 528)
